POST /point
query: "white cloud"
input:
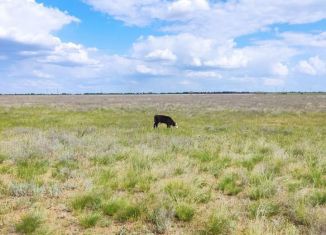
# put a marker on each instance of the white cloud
(234, 59)
(29, 28)
(67, 53)
(146, 70)
(280, 69)
(164, 54)
(304, 39)
(199, 42)
(221, 20)
(313, 66)
(186, 6)
(191, 51)
(29, 22)
(203, 74)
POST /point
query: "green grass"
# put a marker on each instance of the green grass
(28, 224)
(106, 170)
(263, 209)
(89, 201)
(177, 190)
(184, 212)
(122, 210)
(217, 223)
(231, 184)
(88, 221)
(29, 169)
(318, 198)
(2, 158)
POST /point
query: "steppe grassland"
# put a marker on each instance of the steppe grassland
(104, 170)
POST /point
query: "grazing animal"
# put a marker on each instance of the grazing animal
(164, 119)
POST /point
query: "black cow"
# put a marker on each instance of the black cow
(164, 119)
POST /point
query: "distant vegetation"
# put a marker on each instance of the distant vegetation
(104, 170)
(171, 93)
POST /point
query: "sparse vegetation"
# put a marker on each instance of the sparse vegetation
(231, 168)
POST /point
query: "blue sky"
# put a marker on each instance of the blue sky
(162, 46)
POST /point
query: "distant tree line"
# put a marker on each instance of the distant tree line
(169, 93)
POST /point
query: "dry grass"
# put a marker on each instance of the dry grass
(102, 169)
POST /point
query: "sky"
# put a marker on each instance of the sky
(79, 46)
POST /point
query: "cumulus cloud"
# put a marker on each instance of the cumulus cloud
(142, 13)
(197, 39)
(164, 54)
(191, 51)
(217, 19)
(280, 69)
(313, 66)
(29, 22)
(27, 32)
(203, 74)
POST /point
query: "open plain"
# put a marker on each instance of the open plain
(237, 164)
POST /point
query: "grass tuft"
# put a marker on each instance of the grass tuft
(217, 223)
(88, 201)
(121, 209)
(184, 212)
(88, 221)
(318, 198)
(28, 224)
(177, 190)
(231, 184)
(263, 209)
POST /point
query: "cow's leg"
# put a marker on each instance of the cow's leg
(168, 125)
(155, 125)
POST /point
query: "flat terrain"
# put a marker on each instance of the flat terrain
(238, 164)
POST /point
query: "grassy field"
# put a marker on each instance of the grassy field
(238, 164)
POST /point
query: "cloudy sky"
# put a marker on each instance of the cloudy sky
(162, 45)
